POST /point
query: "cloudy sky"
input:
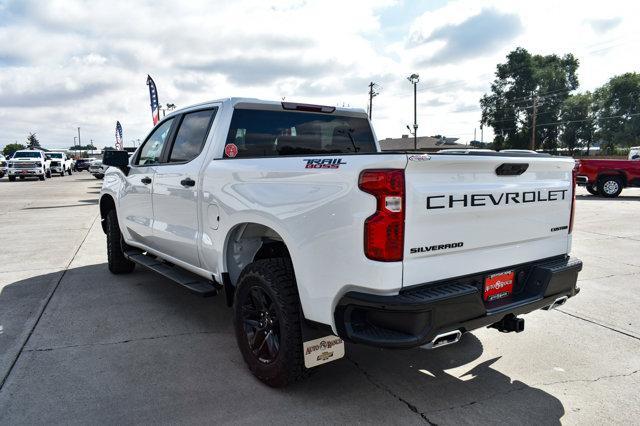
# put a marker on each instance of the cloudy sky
(70, 63)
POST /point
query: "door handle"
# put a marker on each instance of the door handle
(187, 182)
(146, 180)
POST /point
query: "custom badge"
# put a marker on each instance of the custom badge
(231, 150)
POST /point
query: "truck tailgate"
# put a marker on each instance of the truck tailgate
(463, 217)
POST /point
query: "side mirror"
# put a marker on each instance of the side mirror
(115, 158)
(46, 157)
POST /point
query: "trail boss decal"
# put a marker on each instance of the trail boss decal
(424, 249)
(323, 350)
(323, 163)
(505, 198)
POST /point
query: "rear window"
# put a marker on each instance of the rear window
(257, 133)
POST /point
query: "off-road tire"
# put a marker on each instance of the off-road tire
(592, 189)
(69, 171)
(12, 178)
(39, 177)
(48, 173)
(118, 264)
(276, 278)
(98, 176)
(62, 173)
(609, 186)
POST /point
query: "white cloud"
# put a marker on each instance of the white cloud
(65, 64)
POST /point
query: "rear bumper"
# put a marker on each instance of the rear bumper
(416, 315)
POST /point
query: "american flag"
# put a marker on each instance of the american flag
(153, 94)
(119, 143)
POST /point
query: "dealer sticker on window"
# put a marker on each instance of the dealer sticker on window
(323, 350)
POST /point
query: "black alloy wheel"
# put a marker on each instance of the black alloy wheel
(261, 325)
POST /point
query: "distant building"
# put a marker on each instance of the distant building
(425, 143)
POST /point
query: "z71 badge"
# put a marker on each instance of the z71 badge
(323, 163)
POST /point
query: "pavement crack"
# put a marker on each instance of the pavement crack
(388, 390)
(611, 376)
(480, 401)
(119, 342)
(624, 333)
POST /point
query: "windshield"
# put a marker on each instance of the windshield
(26, 154)
(55, 155)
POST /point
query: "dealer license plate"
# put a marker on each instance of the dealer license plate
(497, 286)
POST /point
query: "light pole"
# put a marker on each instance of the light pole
(75, 144)
(414, 79)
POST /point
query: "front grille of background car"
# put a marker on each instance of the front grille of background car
(26, 165)
(55, 163)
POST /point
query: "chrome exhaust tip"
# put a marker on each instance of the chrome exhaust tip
(444, 339)
(558, 302)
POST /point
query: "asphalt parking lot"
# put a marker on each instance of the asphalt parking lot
(81, 346)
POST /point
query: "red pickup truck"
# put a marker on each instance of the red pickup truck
(607, 177)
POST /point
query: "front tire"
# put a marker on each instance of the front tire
(592, 189)
(69, 171)
(610, 186)
(267, 322)
(118, 263)
(62, 173)
(48, 173)
(12, 178)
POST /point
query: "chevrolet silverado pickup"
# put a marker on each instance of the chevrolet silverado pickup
(60, 163)
(607, 178)
(29, 163)
(315, 237)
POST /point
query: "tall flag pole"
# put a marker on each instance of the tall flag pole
(119, 140)
(153, 94)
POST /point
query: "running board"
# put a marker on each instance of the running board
(186, 279)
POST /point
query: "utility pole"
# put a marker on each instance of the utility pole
(532, 147)
(372, 94)
(79, 140)
(414, 79)
(481, 134)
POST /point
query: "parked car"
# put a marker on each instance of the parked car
(29, 163)
(97, 169)
(60, 163)
(83, 164)
(607, 178)
(315, 236)
(3, 166)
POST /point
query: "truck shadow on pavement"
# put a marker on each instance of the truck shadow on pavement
(136, 347)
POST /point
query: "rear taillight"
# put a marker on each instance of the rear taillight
(574, 174)
(384, 230)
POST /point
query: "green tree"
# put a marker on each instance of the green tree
(618, 111)
(578, 121)
(11, 148)
(32, 141)
(525, 79)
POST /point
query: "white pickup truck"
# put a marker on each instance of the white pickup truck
(315, 236)
(60, 163)
(29, 163)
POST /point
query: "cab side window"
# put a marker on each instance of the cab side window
(191, 136)
(152, 148)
